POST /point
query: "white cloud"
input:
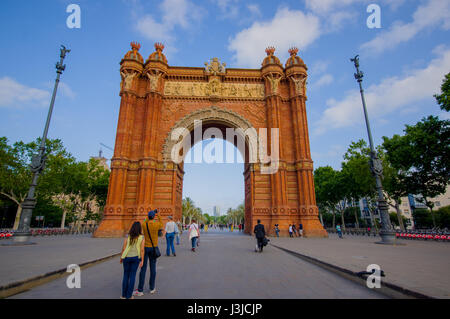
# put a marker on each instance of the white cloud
(254, 9)
(324, 80)
(229, 9)
(391, 95)
(327, 6)
(13, 94)
(153, 30)
(433, 14)
(66, 91)
(336, 20)
(318, 67)
(287, 28)
(174, 13)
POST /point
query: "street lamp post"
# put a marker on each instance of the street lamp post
(387, 234)
(22, 235)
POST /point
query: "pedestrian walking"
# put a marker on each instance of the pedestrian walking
(170, 236)
(194, 234)
(240, 227)
(151, 226)
(290, 230)
(131, 258)
(277, 230)
(339, 231)
(180, 231)
(260, 234)
(300, 229)
(294, 230)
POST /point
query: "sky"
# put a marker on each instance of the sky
(404, 62)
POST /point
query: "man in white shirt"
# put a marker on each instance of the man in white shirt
(170, 236)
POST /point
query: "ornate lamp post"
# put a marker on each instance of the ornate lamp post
(387, 233)
(22, 235)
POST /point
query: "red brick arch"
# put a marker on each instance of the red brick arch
(157, 98)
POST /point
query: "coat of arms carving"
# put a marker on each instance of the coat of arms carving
(214, 67)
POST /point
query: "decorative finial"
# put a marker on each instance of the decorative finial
(293, 51)
(159, 46)
(135, 46)
(270, 50)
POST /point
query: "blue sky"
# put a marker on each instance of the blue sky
(404, 63)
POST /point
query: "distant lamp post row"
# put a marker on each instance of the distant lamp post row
(22, 235)
(387, 234)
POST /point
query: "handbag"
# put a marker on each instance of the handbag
(265, 241)
(155, 253)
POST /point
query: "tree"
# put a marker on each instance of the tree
(394, 188)
(62, 175)
(421, 157)
(15, 175)
(356, 175)
(187, 207)
(443, 99)
(325, 182)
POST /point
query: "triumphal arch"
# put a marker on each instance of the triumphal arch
(158, 101)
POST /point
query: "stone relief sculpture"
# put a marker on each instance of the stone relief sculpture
(299, 85)
(214, 88)
(274, 83)
(154, 78)
(127, 80)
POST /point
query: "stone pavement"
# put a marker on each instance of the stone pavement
(224, 266)
(19, 263)
(420, 266)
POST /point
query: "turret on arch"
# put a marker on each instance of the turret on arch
(157, 100)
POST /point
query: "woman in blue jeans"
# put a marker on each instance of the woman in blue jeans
(171, 229)
(150, 229)
(194, 234)
(131, 258)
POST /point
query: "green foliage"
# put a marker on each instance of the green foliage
(443, 99)
(190, 211)
(326, 187)
(422, 218)
(15, 177)
(62, 175)
(351, 213)
(394, 219)
(52, 214)
(356, 172)
(327, 219)
(443, 217)
(421, 158)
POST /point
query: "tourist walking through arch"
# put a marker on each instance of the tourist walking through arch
(194, 234)
(131, 258)
(150, 230)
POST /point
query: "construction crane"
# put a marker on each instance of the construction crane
(106, 146)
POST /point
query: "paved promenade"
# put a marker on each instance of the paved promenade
(18, 263)
(419, 266)
(225, 266)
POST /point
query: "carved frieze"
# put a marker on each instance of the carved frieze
(214, 88)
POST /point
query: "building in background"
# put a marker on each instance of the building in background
(102, 160)
(407, 206)
(216, 211)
